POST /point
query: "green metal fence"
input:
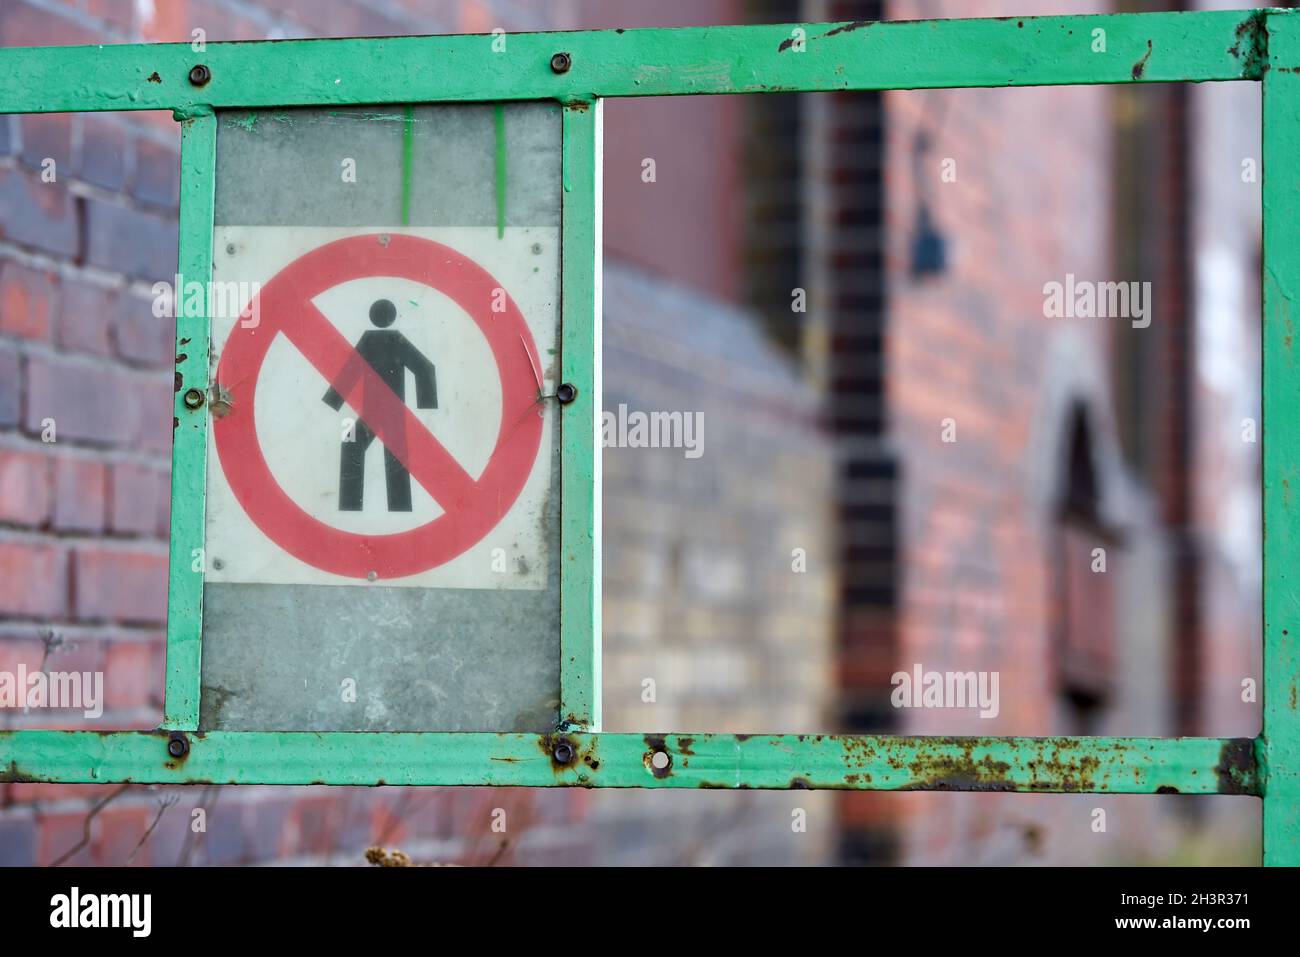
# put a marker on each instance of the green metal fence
(578, 70)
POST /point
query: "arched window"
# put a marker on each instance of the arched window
(1083, 594)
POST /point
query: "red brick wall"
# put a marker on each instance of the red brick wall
(85, 387)
(1034, 199)
(83, 523)
(690, 231)
(84, 518)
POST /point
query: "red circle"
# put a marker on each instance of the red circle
(467, 517)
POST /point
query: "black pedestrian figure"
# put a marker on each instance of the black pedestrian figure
(390, 355)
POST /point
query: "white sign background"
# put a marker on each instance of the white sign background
(300, 435)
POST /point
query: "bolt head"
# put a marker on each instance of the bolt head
(193, 399)
(200, 74)
(566, 393)
(563, 752)
(177, 747)
(560, 63)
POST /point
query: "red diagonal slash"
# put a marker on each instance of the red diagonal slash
(378, 406)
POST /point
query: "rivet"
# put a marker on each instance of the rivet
(566, 393)
(560, 63)
(563, 752)
(178, 747)
(193, 399)
(200, 74)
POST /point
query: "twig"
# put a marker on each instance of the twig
(188, 848)
(395, 816)
(536, 372)
(501, 850)
(50, 640)
(90, 816)
(163, 805)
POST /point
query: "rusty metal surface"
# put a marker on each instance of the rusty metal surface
(869, 763)
(860, 55)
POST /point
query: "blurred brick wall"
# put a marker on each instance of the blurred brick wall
(1035, 198)
(699, 596)
(89, 212)
(969, 345)
(701, 170)
(1226, 241)
(83, 520)
(719, 570)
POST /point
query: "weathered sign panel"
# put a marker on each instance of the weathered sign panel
(383, 471)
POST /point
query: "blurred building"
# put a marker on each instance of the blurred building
(1026, 450)
(904, 461)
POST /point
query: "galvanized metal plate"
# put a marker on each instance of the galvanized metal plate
(382, 527)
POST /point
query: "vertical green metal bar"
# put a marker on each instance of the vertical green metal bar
(190, 425)
(580, 361)
(499, 121)
(1281, 441)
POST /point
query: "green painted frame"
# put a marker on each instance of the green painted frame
(190, 432)
(1253, 45)
(580, 352)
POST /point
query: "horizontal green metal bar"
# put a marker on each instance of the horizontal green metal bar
(868, 763)
(1016, 51)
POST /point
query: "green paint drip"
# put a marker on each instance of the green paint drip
(408, 142)
(500, 119)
